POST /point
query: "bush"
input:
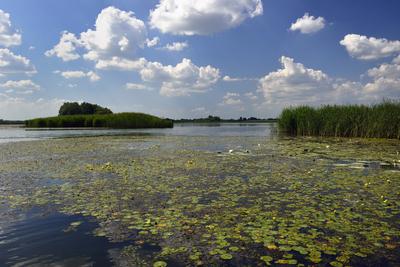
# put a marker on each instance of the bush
(376, 121)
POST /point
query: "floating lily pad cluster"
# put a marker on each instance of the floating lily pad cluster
(251, 202)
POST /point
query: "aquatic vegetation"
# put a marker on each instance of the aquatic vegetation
(376, 121)
(160, 264)
(114, 121)
(287, 202)
(267, 259)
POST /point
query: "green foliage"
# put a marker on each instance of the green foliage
(74, 108)
(376, 121)
(115, 121)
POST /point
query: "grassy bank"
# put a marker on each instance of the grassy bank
(115, 121)
(376, 121)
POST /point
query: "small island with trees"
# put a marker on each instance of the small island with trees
(86, 115)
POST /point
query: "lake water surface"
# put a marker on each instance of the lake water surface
(16, 133)
(197, 195)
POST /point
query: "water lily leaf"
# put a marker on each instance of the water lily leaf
(160, 264)
(226, 256)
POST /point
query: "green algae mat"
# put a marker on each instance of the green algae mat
(218, 201)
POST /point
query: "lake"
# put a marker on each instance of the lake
(16, 133)
(197, 195)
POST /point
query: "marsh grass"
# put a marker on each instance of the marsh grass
(115, 121)
(375, 121)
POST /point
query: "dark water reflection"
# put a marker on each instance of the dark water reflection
(40, 240)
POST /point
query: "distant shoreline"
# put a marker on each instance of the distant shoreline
(226, 121)
(7, 123)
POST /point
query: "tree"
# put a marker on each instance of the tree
(101, 110)
(87, 108)
(70, 109)
(74, 108)
(213, 118)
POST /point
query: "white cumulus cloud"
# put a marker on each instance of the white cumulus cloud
(231, 99)
(227, 78)
(21, 87)
(8, 37)
(12, 64)
(294, 80)
(308, 24)
(152, 42)
(117, 35)
(382, 88)
(66, 48)
(183, 79)
(176, 46)
(117, 63)
(76, 74)
(369, 48)
(113, 45)
(295, 84)
(385, 81)
(137, 87)
(251, 96)
(200, 17)
(389, 71)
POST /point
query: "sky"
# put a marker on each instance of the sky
(189, 59)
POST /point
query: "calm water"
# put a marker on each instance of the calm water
(42, 240)
(15, 134)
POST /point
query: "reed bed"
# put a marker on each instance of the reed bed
(368, 121)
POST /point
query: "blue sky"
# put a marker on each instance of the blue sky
(178, 58)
